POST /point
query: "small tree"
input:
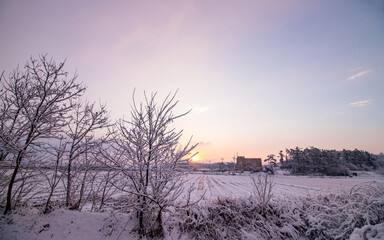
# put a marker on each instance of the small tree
(262, 188)
(281, 155)
(34, 104)
(272, 162)
(151, 160)
(82, 124)
(271, 159)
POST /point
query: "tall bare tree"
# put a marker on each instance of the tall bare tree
(151, 160)
(83, 123)
(34, 103)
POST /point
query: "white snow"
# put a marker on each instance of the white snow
(222, 185)
(369, 232)
(29, 223)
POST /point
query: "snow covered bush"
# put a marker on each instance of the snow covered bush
(243, 219)
(262, 188)
(332, 216)
(337, 215)
(368, 232)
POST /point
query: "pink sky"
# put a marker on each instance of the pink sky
(260, 76)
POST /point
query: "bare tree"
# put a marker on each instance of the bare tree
(53, 173)
(262, 188)
(86, 179)
(103, 188)
(34, 104)
(83, 123)
(151, 160)
(27, 184)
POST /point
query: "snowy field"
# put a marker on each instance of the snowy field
(241, 185)
(66, 224)
(213, 185)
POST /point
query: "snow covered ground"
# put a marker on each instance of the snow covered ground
(225, 185)
(60, 224)
(65, 224)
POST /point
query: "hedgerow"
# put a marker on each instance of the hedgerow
(329, 216)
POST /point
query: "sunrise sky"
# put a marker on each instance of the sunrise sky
(259, 76)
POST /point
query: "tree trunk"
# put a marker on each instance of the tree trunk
(69, 180)
(141, 222)
(104, 191)
(48, 202)
(159, 220)
(77, 205)
(53, 185)
(8, 205)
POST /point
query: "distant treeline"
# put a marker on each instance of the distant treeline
(330, 162)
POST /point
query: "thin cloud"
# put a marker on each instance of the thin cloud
(201, 144)
(359, 74)
(361, 103)
(201, 109)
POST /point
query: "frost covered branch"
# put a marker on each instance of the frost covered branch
(151, 160)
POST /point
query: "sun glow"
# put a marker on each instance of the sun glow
(195, 158)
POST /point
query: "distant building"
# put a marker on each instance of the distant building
(248, 164)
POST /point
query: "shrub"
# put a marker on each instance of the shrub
(262, 185)
(243, 219)
(332, 216)
(337, 215)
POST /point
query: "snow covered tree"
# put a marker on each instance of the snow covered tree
(262, 188)
(281, 155)
(379, 163)
(52, 169)
(81, 127)
(151, 160)
(34, 103)
(272, 162)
